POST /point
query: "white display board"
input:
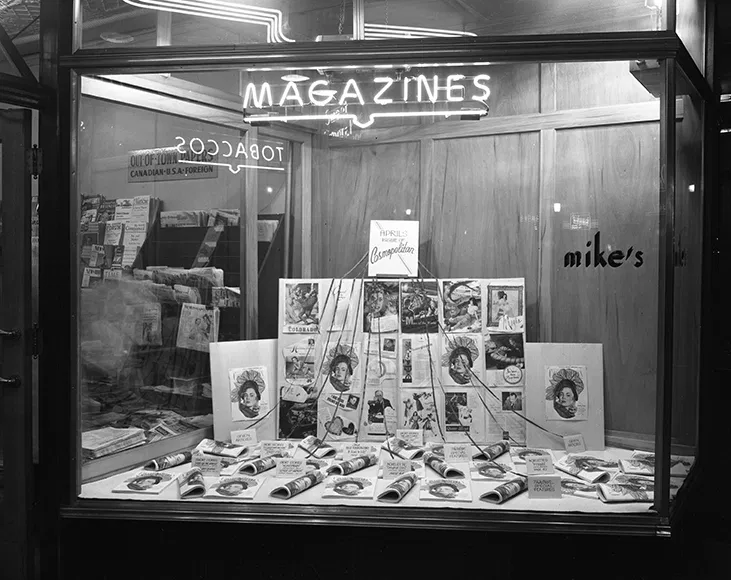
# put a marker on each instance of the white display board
(564, 394)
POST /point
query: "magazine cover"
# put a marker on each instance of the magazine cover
(379, 415)
(380, 354)
(301, 307)
(395, 491)
(340, 365)
(314, 446)
(505, 359)
(198, 327)
(491, 451)
(299, 370)
(352, 465)
(349, 487)
(489, 471)
(149, 482)
(419, 364)
(248, 393)
(461, 359)
(419, 307)
(339, 313)
(505, 308)
(442, 467)
(419, 411)
(505, 491)
(192, 484)
(586, 467)
(462, 306)
(337, 422)
(445, 490)
(236, 487)
(464, 415)
(567, 393)
(380, 306)
(402, 449)
(297, 486)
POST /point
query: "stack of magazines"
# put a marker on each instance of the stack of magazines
(108, 440)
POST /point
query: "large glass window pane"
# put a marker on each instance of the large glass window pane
(20, 26)
(691, 28)
(536, 190)
(186, 22)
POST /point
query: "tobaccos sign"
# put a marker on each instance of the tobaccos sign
(363, 100)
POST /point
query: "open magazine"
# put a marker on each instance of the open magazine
(192, 484)
(586, 467)
(297, 486)
(442, 467)
(148, 482)
(398, 488)
(505, 491)
(167, 461)
(352, 465)
(317, 447)
(350, 487)
(402, 448)
(491, 451)
(236, 487)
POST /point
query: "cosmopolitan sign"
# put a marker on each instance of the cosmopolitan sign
(368, 99)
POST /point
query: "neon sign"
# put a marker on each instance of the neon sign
(381, 97)
(262, 155)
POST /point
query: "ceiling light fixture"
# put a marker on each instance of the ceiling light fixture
(295, 78)
(235, 12)
(383, 31)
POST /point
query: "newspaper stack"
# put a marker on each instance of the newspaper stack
(108, 440)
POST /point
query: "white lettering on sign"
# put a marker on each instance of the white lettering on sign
(253, 155)
(388, 93)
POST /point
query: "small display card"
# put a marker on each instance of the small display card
(393, 468)
(457, 452)
(538, 465)
(291, 468)
(544, 486)
(394, 248)
(273, 447)
(574, 443)
(246, 437)
(351, 450)
(208, 464)
(413, 436)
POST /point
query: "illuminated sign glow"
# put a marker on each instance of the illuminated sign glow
(273, 154)
(385, 97)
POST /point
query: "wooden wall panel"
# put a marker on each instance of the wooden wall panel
(485, 192)
(514, 89)
(610, 175)
(596, 84)
(365, 183)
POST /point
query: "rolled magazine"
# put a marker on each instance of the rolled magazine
(297, 486)
(402, 448)
(586, 467)
(398, 488)
(317, 447)
(192, 483)
(491, 451)
(442, 467)
(221, 448)
(505, 491)
(352, 465)
(257, 466)
(167, 461)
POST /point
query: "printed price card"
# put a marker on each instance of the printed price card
(544, 486)
(538, 465)
(574, 443)
(413, 436)
(246, 437)
(273, 447)
(290, 468)
(393, 468)
(208, 464)
(351, 450)
(457, 452)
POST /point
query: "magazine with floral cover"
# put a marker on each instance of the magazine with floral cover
(506, 491)
(192, 484)
(442, 467)
(167, 461)
(489, 471)
(148, 482)
(586, 467)
(402, 449)
(518, 454)
(352, 465)
(236, 487)
(349, 487)
(395, 491)
(578, 488)
(445, 490)
(491, 451)
(298, 485)
(317, 447)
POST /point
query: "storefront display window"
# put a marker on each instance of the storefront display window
(461, 285)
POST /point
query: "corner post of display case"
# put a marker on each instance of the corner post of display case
(669, 17)
(666, 291)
